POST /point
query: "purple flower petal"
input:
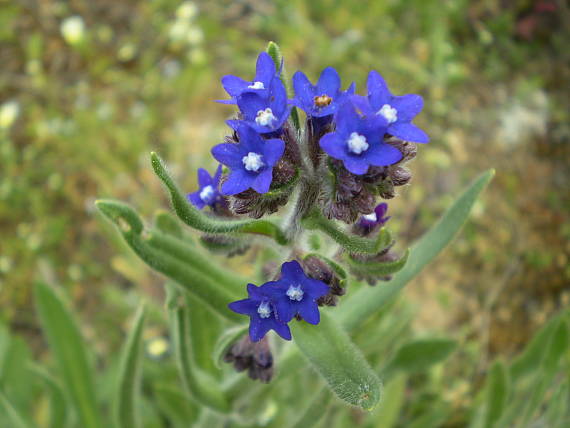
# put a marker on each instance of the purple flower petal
(204, 178)
(238, 181)
(284, 310)
(264, 68)
(292, 270)
(282, 330)
(258, 329)
(383, 154)
(228, 154)
(273, 150)
(196, 200)
(355, 165)
(309, 311)
(329, 82)
(378, 92)
(304, 90)
(408, 106)
(408, 132)
(234, 85)
(245, 306)
(262, 182)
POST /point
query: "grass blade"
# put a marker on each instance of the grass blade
(67, 345)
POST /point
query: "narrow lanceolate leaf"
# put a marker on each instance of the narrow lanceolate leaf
(58, 405)
(378, 268)
(339, 361)
(210, 291)
(168, 224)
(497, 393)
(129, 376)
(201, 389)
(421, 354)
(200, 221)
(350, 242)
(68, 348)
(12, 415)
(368, 300)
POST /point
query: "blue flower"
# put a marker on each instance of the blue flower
(250, 161)
(264, 114)
(376, 218)
(322, 99)
(359, 141)
(264, 74)
(260, 308)
(399, 111)
(297, 294)
(207, 193)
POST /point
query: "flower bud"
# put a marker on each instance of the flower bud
(255, 357)
(400, 175)
(317, 269)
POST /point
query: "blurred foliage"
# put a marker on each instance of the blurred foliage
(89, 88)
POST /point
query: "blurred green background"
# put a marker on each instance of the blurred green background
(89, 88)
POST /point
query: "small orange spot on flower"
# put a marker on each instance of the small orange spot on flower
(322, 100)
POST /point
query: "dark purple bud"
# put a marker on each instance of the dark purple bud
(320, 270)
(400, 175)
(371, 222)
(255, 357)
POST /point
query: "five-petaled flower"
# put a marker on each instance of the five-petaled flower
(322, 99)
(260, 308)
(264, 74)
(376, 218)
(359, 141)
(297, 294)
(250, 161)
(207, 193)
(399, 111)
(265, 114)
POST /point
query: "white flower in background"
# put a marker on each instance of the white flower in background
(187, 10)
(9, 112)
(73, 30)
(194, 36)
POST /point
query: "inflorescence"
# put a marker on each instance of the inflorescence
(350, 152)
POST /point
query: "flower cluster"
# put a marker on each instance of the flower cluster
(349, 152)
(274, 304)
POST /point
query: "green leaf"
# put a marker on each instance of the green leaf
(386, 414)
(367, 301)
(314, 412)
(559, 344)
(191, 256)
(497, 393)
(350, 242)
(58, 403)
(201, 389)
(200, 221)
(129, 376)
(210, 291)
(419, 355)
(67, 345)
(167, 224)
(14, 417)
(339, 361)
(175, 406)
(378, 268)
(225, 341)
(530, 359)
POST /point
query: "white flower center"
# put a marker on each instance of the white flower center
(256, 85)
(295, 293)
(253, 161)
(265, 117)
(357, 143)
(207, 193)
(264, 310)
(389, 113)
(371, 217)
